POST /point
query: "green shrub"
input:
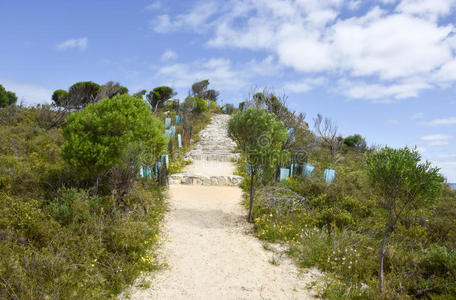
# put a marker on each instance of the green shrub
(96, 136)
(200, 106)
(339, 227)
(57, 240)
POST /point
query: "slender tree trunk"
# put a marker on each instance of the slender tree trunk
(252, 186)
(382, 250)
(95, 185)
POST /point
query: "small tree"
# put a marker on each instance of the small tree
(11, 97)
(96, 137)
(82, 93)
(260, 136)
(7, 97)
(109, 90)
(159, 95)
(140, 94)
(403, 183)
(59, 97)
(327, 131)
(199, 89)
(356, 141)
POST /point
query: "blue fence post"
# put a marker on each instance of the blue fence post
(165, 160)
(167, 122)
(284, 173)
(330, 175)
(179, 140)
(307, 169)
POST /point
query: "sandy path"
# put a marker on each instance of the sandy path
(210, 250)
(211, 256)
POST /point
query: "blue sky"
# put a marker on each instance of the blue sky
(383, 68)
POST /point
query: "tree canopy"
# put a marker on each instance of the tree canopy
(355, 141)
(403, 182)
(96, 137)
(260, 137)
(82, 93)
(200, 90)
(85, 92)
(59, 97)
(159, 95)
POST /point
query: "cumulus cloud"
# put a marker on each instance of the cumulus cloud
(427, 8)
(391, 51)
(80, 44)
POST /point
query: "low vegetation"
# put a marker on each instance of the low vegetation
(76, 219)
(385, 205)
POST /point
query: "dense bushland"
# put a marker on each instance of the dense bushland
(59, 239)
(339, 227)
(76, 220)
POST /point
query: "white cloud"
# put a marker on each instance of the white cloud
(437, 139)
(381, 92)
(447, 73)
(426, 8)
(443, 121)
(162, 24)
(194, 20)
(220, 72)
(28, 93)
(387, 52)
(387, 1)
(391, 47)
(303, 85)
(354, 5)
(154, 5)
(80, 44)
(169, 55)
(393, 122)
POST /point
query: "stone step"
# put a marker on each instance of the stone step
(213, 156)
(198, 179)
(213, 148)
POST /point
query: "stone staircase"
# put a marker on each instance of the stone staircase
(212, 157)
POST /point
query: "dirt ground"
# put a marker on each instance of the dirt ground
(211, 253)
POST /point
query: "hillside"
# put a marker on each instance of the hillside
(91, 188)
